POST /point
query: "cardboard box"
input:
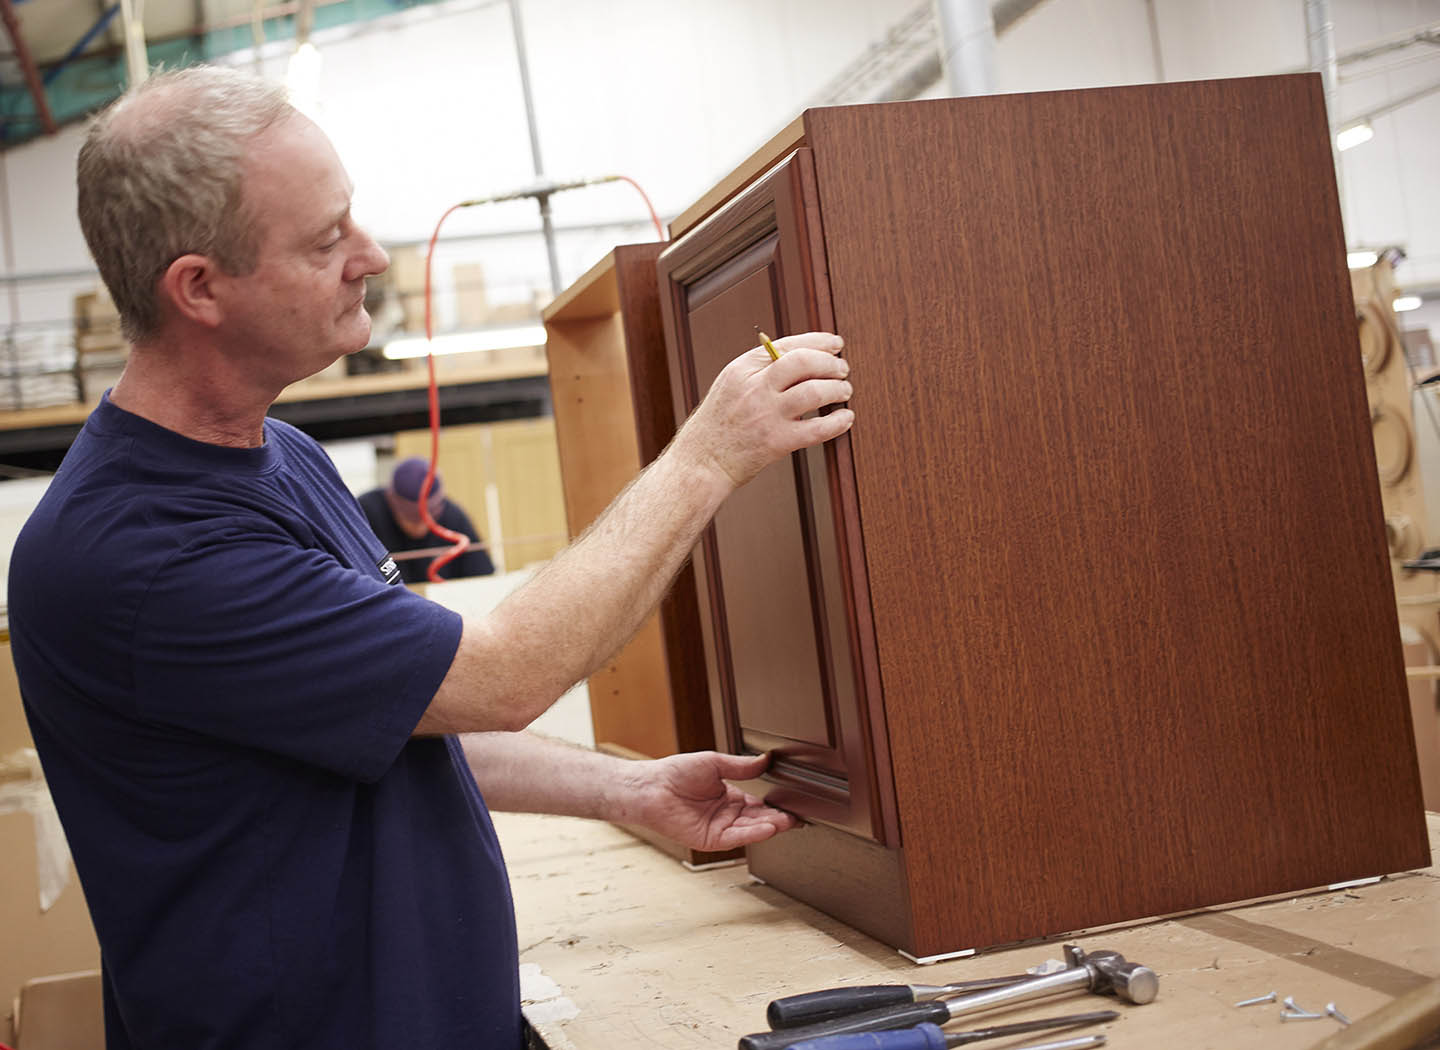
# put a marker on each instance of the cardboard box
(63, 1012)
(60, 940)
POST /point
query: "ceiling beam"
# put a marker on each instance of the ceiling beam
(27, 66)
(273, 11)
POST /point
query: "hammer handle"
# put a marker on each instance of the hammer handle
(870, 1021)
(810, 1007)
(1077, 978)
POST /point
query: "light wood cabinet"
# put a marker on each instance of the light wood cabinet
(610, 388)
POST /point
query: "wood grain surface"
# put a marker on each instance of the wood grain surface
(1130, 590)
(622, 948)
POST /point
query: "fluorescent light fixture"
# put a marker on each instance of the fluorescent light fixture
(302, 79)
(1350, 137)
(1403, 303)
(1362, 259)
(467, 342)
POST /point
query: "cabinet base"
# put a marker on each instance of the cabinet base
(852, 879)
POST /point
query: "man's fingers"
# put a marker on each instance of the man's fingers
(740, 767)
(805, 363)
(814, 394)
(819, 429)
(827, 341)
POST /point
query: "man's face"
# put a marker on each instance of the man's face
(303, 307)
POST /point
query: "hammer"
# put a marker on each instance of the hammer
(1103, 972)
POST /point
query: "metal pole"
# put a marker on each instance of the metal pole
(1320, 45)
(136, 60)
(16, 391)
(542, 198)
(967, 30)
(1155, 49)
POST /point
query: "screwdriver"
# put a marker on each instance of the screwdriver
(810, 1007)
(929, 1036)
(926, 1037)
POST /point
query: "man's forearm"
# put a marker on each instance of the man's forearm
(526, 773)
(582, 606)
(594, 595)
(578, 610)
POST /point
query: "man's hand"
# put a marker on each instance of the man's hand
(686, 798)
(758, 410)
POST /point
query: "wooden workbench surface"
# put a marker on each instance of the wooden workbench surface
(620, 946)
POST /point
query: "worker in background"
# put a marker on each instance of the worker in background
(249, 728)
(394, 514)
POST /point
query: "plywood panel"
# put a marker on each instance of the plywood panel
(532, 500)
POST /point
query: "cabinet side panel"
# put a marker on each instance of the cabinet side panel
(639, 294)
(689, 726)
(1133, 613)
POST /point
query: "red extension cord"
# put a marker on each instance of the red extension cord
(459, 540)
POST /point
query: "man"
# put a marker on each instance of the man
(394, 514)
(246, 728)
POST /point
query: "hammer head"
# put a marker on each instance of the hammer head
(1109, 972)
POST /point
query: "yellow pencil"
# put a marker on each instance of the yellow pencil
(765, 341)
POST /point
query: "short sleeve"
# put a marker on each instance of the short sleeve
(250, 638)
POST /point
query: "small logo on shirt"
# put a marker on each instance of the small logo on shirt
(389, 569)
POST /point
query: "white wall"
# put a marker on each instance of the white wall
(426, 110)
(1066, 44)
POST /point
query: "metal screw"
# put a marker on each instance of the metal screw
(1285, 1015)
(1289, 1001)
(1333, 1011)
(1268, 998)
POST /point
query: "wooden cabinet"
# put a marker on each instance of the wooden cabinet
(1089, 617)
(610, 386)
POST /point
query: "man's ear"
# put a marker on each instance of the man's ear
(188, 284)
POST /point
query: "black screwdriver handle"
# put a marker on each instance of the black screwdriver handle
(883, 1020)
(812, 1007)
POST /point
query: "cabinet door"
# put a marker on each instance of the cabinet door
(784, 604)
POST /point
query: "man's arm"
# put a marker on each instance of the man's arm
(684, 797)
(560, 626)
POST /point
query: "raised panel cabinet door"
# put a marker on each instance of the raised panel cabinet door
(785, 652)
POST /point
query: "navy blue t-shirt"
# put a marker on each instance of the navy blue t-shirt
(222, 688)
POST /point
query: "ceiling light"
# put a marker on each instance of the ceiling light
(302, 79)
(1405, 302)
(467, 342)
(1353, 136)
(1362, 259)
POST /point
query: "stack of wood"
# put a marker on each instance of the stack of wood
(100, 349)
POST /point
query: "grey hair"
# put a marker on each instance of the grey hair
(160, 176)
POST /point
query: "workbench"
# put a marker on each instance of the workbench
(621, 946)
